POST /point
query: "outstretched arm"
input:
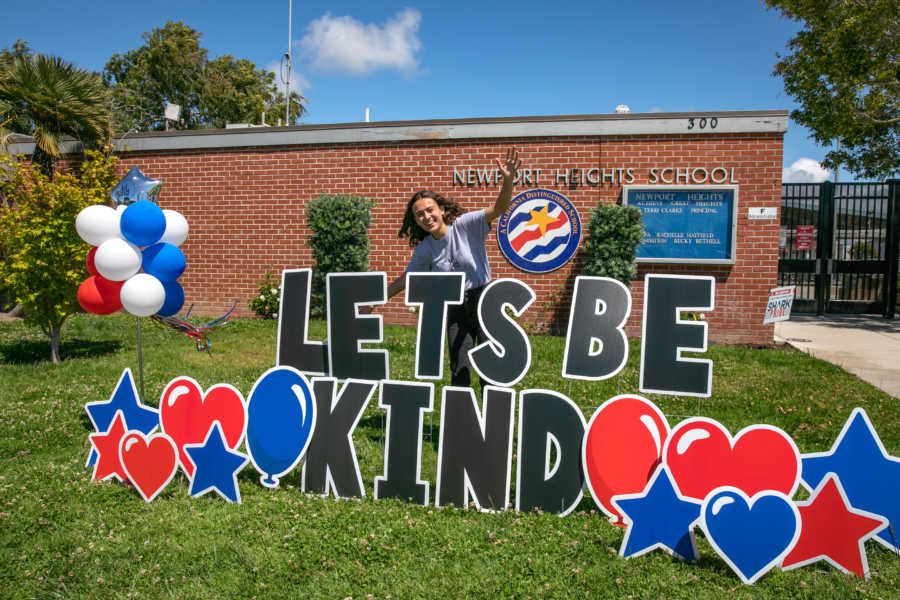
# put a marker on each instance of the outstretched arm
(508, 167)
(396, 286)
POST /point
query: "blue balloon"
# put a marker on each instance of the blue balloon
(143, 223)
(281, 416)
(164, 261)
(174, 299)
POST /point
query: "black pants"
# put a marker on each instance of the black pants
(463, 334)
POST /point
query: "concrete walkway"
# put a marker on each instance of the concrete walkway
(865, 345)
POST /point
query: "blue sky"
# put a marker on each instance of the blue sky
(437, 59)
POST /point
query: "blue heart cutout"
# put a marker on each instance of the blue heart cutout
(751, 535)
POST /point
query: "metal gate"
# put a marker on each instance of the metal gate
(839, 245)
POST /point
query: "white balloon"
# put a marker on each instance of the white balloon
(142, 295)
(98, 223)
(176, 227)
(117, 260)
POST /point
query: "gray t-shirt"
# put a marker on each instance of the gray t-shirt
(462, 249)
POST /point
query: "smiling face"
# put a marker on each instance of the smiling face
(430, 217)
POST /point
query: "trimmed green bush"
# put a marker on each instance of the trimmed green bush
(614, 234)
(339, 241)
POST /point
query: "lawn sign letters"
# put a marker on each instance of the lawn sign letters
(658, 482)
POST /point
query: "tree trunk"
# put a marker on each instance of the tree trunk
(17, 311)
(54, 343)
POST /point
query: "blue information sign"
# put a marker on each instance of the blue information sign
(685, 224)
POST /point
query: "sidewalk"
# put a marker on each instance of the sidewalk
(865, 345)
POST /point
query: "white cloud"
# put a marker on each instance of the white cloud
(655, 109)
(345, 45)
(805, 170)
(298, 82)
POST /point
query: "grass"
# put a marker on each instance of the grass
(63, 536)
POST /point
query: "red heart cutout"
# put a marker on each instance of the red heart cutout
(622, 447)
(701, 456)
(186, 415)
(150, 463)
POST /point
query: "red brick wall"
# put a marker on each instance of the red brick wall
(246, 210)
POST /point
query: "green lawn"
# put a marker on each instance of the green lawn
(63, 536)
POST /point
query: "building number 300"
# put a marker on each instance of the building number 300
(702, 122)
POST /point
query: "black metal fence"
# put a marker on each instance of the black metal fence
(839, 246)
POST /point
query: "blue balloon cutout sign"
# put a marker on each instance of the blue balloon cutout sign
(281, 416)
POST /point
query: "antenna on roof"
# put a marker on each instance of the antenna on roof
(286, 68)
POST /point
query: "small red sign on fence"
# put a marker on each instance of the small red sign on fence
(803, 237)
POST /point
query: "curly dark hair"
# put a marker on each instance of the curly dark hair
(412, 230)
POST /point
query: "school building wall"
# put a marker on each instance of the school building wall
(244, 194)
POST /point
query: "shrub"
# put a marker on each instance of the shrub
(265, 304)
(44, 257)
(339, 241)
(614, 234)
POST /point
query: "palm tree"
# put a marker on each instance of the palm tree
(48, 98)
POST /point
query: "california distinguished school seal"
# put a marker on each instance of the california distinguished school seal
(540, 231)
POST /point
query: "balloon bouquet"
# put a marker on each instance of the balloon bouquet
(136, 260)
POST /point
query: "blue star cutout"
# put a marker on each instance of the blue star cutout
(215, 466)
(869, 475)
(138, 416)
(659, 517)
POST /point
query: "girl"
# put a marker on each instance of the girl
(447, 238)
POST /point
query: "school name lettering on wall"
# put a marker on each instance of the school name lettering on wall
(597, 176)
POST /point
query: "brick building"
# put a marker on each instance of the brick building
(244, 191)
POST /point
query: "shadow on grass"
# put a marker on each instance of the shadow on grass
(31, 351)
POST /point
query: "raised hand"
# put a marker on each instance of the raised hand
(510, 165)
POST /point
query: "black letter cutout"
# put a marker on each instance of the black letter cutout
(294, 348)
(596, 344)
(347, 330)
(330, 464)
(406, 403)
(506, 357)
(665, 335)
(475, 450)
(549, 474)
(432, 292)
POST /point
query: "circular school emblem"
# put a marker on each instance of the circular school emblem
(540, 231)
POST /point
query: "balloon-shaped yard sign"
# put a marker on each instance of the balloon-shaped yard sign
(281, 416)
(135, 261)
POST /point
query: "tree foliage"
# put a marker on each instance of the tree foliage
(844, 70)
(614, 234)
(45, 258)
(339, 241)
(172, 67)
(48, 98)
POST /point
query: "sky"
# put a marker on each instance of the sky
(437, 59)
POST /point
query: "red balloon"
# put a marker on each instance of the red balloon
(90, 261)
(622, 447)
(100, 296)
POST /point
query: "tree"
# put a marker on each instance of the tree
(844, 71)
(172, 67)
(45, 258)
(48, 98)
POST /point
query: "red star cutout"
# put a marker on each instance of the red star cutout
(834, 531)
(107, 445)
